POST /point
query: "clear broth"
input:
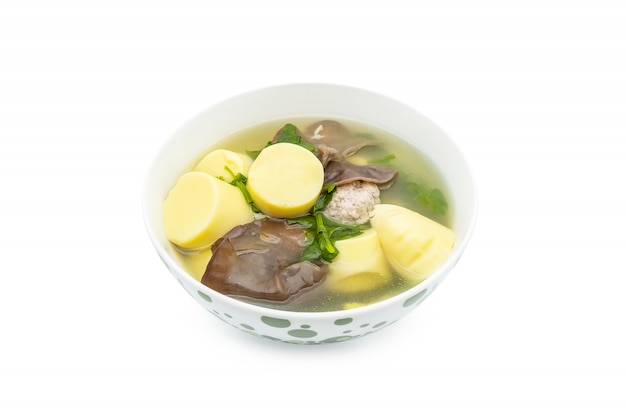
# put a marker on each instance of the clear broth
(412, 165)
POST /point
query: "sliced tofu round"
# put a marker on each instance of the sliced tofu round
(285, 180)
(200, 209)
(222, 163)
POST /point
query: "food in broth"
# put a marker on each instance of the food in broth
(333, 216)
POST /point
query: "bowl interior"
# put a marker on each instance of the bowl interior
(298, 101)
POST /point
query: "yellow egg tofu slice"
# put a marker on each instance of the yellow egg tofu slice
(285, 180)
(360, 266)
(195, 264)
(200, 209)
(222, 163)
(414, 244)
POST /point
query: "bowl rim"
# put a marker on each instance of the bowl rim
(436, 276)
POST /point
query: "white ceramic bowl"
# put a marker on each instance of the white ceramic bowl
(297, 101)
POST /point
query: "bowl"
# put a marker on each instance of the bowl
(296, 101)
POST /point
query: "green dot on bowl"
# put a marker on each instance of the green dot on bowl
(246, 326)
(412, 300)
(382, 323)
(205, 297)
(343, 322)
(270, 338)
(337, 339)
(275, 322)
(302, 333)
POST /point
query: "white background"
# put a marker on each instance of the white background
(531, 322)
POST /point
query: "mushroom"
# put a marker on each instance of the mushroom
(344, 172)
(261, 260)
(331, 139)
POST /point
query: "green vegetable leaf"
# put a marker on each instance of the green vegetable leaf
(311, 253)
(321, 232)
(345, 232)
(324, 198)
(433, 198)
(254, 154)
(288, 134)
(240, 181)
(306, 222)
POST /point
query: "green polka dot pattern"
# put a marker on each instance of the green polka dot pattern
(274, 322)
(412, 300)
(302, 333)
(205, 297)
(306, 332)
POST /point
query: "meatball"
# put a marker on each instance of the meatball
(353, 203)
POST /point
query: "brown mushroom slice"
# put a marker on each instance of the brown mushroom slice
(345, 172)
(331, 139)
(261, 260)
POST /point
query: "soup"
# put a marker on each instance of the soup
(358, 271)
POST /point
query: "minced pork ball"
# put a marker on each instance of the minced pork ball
(353, 203)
